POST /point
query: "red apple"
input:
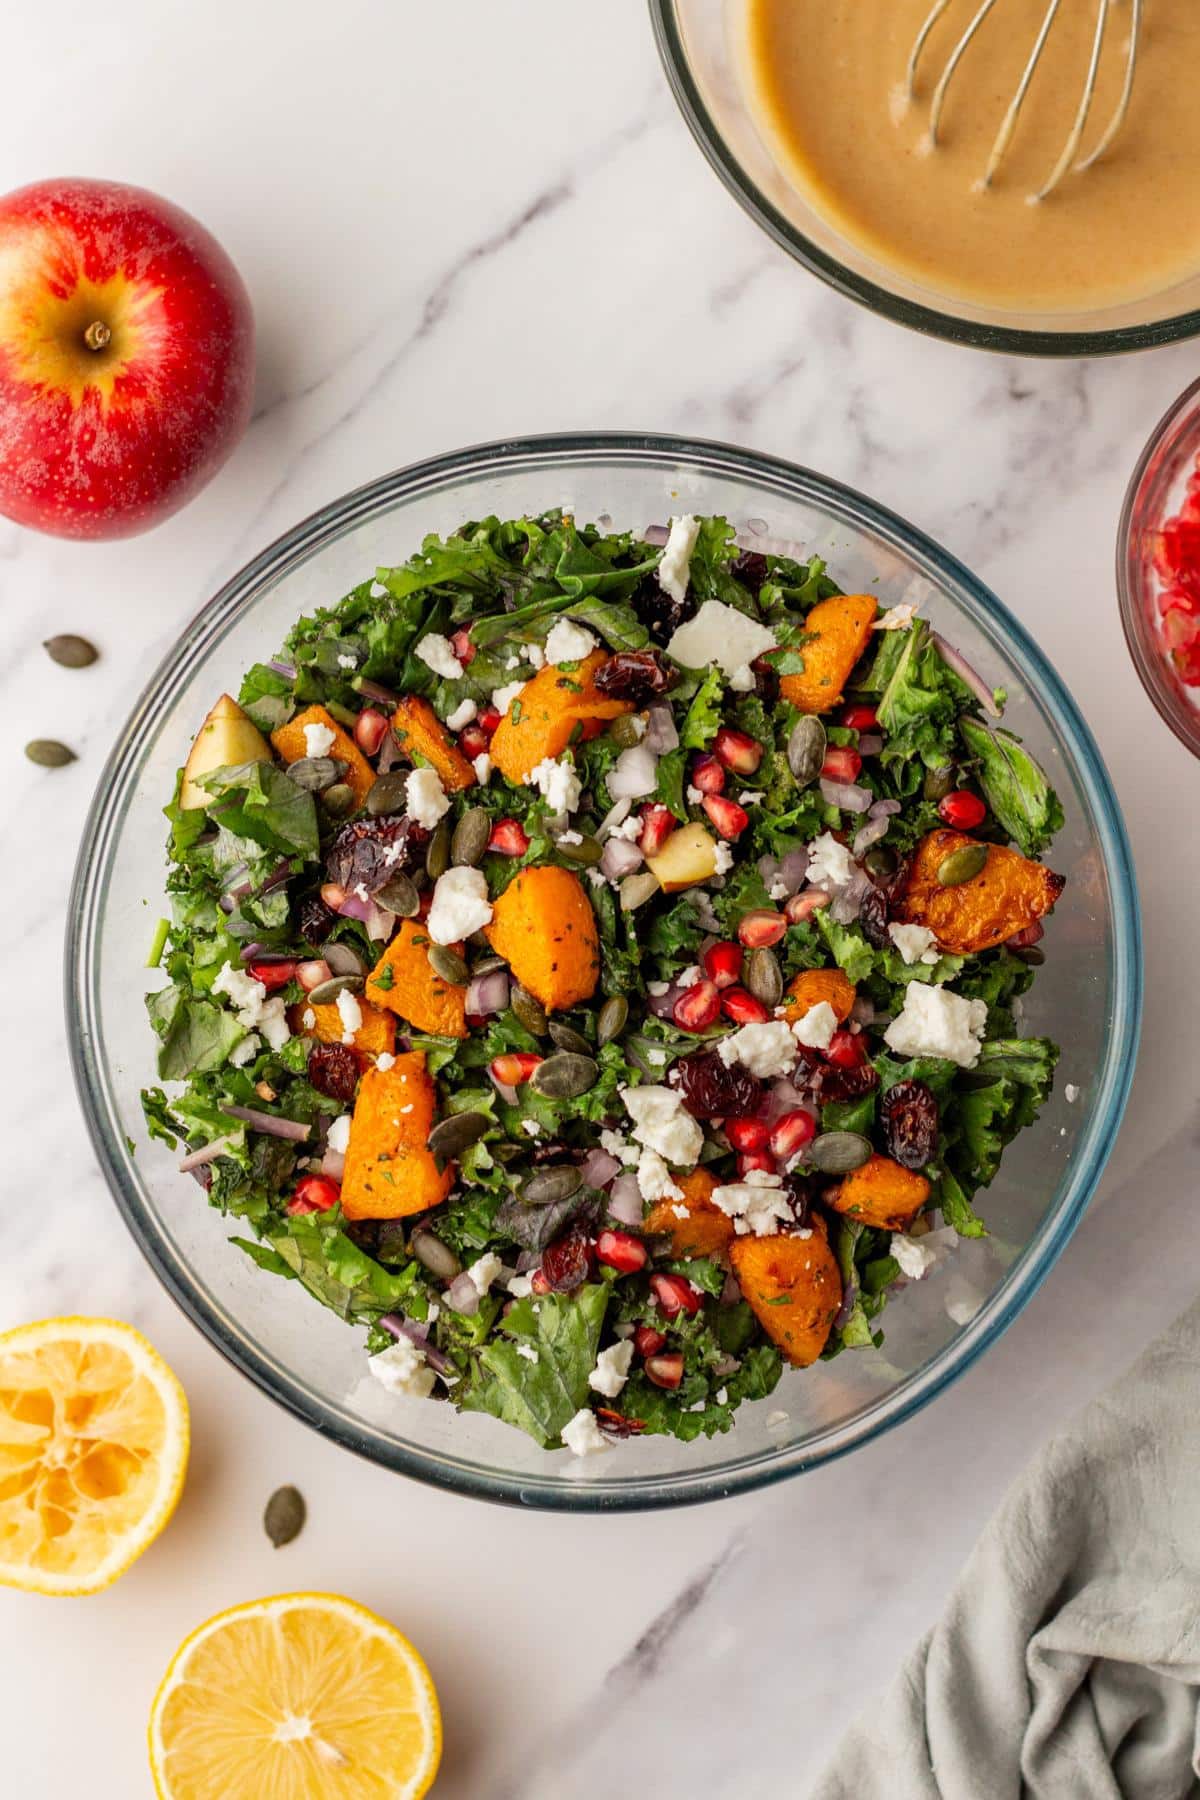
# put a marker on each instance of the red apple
(126, 358)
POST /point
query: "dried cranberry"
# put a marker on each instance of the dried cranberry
(615, 1424)
(637, 675)
(766, 679)
(314, 920)
(909, 1114)
(750, 568)
(565, 1262)
(873, 914)
(334, 1069)
(847, 1084)
(801, 1193)
(658, 612)
(709, 1090)
(368, 852)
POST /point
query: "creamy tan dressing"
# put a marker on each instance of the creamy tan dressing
(827, 85)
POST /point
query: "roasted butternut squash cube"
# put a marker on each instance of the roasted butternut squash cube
(405, 982)
(837, 630)
(420, 732)
(544, 928)
(374, 1036)
(542, 720)
(390, 1172)
(793, 1286)
(811, 987)
(703, 1230)
(1009, 894)
(881, 1193)
(290, 745)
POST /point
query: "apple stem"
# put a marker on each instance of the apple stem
(98, 335)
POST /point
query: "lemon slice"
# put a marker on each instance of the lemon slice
(301, 1697)
(93, 1451)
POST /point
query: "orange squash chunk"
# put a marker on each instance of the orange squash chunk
(793, 1287)
(542, 719)
(881, 1193)
(1009, 894)
(420, 732)
(290, 745)
(404, 981)
(841, 631)
(811, 987)
(544, 928)
(375, 1035)
(705, 1231)
(389, 1171)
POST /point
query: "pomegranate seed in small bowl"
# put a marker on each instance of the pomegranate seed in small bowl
(273, 975)
(743, 1007)
(675, 1295)
(750, 1160)
(514, 1067)
(621, 1250)
(464, 649)
(729, 818)
(962, 809)
(759, 930)
(698, 1007)
(509, 838)
(665, 1371)
(858, 718)
(370, 730)
(708, 775)
(723, 963)
(841, 764)
(747, 1134)
(791, 1133)
(737, 750)
(647, 1341)
(658, 822)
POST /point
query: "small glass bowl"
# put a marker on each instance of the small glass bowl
(1154, 495)
(1088, 996)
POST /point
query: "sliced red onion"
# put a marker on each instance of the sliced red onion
(235, 881)
(849, 1299)
(883, 809)
(846, 795)
(371, 690)
(725, 1367)
(620, 858)
(863, 1010)
(333, 1164)
(599, 1168)
(663, 1005)
(507, 1094)
(344, 960)
(617, 815)
(781, 1098)
(793, 869)
(954, 659)
(768, 868)
(771, 546)
(463, 1295)
(380, 925)
(417, 1332)
(634, 774)
(261, 953)
(488, 993)
(268, 1123)
(656, 535)
(196, 1159)
(869, 743)
(869, 834)
(731, 1293)
(661, 734)
(625, 1203)
(286, 669)
(389, 753)
(353, 906)
(527, 1260)
(847, 904)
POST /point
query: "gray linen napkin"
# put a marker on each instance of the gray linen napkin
(1067, 1663)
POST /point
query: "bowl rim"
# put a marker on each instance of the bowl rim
(1141, 638)
(1009, 340)
(102, 829)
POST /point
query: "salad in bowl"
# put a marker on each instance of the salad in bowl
(594, 968)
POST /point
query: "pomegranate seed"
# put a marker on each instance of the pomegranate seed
(758, 930)
(840, 765)
(464, 649)
(272, 975)
(314, 1193)
(723, 963)
(740, 1005)
(698, 1007)
(509, 838)
(791, 1133)
(665, 1371)
(489, 719)
(708, 775)
(675, 1295)
(473, 741)
(802, 906)
(514, 1067)
(754, 1159)
(747, 1134)
(658, 822)
(859, 718)
(846, 1050)
(538, 1283)
(621, 1250)
(962, 809)
(647, 1341)
(1178, 550)
(312, 974)
(737, 750)
(729, 818)
(1032, 934)
(370, 730)
(333, 896)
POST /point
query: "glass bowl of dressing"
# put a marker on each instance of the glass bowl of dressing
(800, 107)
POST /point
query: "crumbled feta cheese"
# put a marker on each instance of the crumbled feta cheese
(778, 889)
(630, 829)
(254, 1011)
(750, 797)
(661, 1122)
(437, 653)
(617, 1146)
(722, 857)
(675, 563)
(460, 906)
(722, 635)
(339, 1135)
(829, 864)
(318, 740)
(682, 1212)
(513, 662)
(528, 1352)
(815, 1030)
(568, 642)
(654, 1178)
(246, 1051)
(913, 1255)
(558, 783)
(531, 1127)
(535, 656)
(656, 989)
(742, 679)
(690, 976)
(695, 796)
(346, 662)
(464, 712)
(360, 890)
(581, 1435)
(425, 798)
(936, 1022)
(1070, 1093)
(482, 765)
(385, 1060)
(402, 1369)
(484, 1271)
(765, 1050)
(570, 837)
(308, 1018)
(698, 1406)
(896, 618)
(914, 942)
(503, 697)
(756, 1205)
(351, 1015)
(721, 1396)
(612, 1369)
(520, 1286)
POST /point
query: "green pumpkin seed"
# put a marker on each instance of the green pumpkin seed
(506, 1152)
(625, 731)
(483, 965)
(470, 838)
(838, 1152)
(880, 861)
(48, 754)
(326, 992)
(284, 1517)
(338, 800)
(614, 1016)
(549, 1185)
(71, 652)
(938, 783)
(565, 1076)
(399, 896)
(530, 1012)
(763, 976)
(1033, 954)
(962, 865)
(451, 1136)
(437, 851)
(448, 964)
(567, 1038)
(388, 793)
(586, 852)
(343, 959)
(433, 1255)
(316, 773)
(635, 890)
(806, 749)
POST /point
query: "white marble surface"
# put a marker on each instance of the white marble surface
(459, 222)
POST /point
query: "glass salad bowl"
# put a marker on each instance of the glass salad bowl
(1087, 996)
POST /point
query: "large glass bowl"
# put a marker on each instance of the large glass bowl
(698, 41)
(1088, 995)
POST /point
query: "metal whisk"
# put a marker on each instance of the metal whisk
(1008, 124)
